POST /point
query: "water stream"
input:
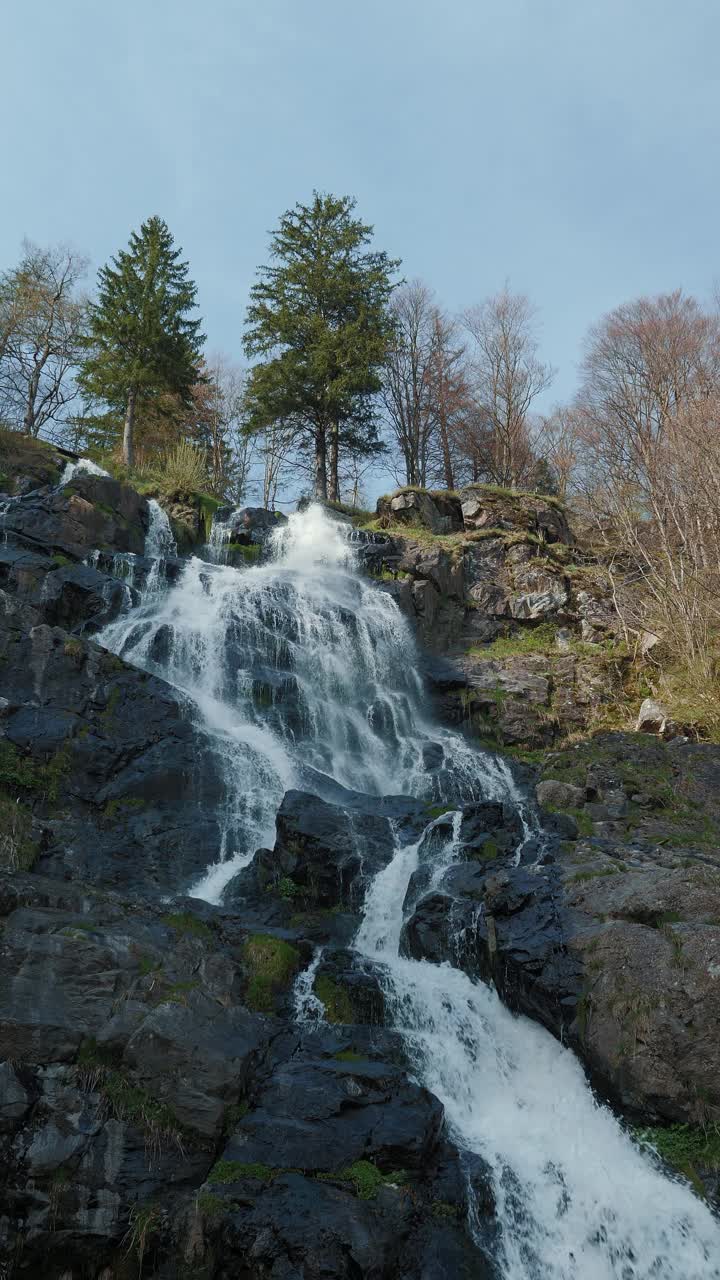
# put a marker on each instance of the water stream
(303, 673)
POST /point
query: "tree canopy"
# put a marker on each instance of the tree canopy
(143, 341)
(319, 321)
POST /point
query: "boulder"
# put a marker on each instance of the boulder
(439, 512)
(91, 512)
(559, 795)
(328, 853)
(652, 718)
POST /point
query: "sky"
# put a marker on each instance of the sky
(569, 147)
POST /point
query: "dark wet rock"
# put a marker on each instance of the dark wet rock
(126, 790)
(326, 1113)
(611, 940)
(251, 525)
(90, 513)
(349, 987)
(319, 850)
(64, 595)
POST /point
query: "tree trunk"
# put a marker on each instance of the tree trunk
(320, 464)
(128, 443)
(334, 491)
(447, 456)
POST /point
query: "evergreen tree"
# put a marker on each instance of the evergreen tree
(318, 318)
(142, 342)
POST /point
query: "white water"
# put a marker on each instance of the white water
(300, 664)
(83, 466)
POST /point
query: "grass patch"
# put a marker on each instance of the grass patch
(581, 877)
(226, 1171)
(540, 639)
(271, 964)
(365, 1178)
(184, 922)
(338, 1007)
(18, 772)
(18, 850)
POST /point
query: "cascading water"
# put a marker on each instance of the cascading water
(83, 466)
(302, 673)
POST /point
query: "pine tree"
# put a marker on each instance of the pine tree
(142, 342)
(318, 318)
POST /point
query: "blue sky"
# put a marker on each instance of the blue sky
(570, 146)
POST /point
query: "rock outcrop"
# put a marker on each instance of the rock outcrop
(612, 938)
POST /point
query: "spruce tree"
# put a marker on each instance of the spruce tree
(143, 342)
(318, 318)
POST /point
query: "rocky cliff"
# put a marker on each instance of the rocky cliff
(162, 1110)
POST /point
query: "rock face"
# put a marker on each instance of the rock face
(160, 1109)
(91, 512)
(612, 939)
(502, 569)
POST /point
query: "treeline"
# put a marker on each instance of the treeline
(348, 368)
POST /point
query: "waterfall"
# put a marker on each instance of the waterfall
(83, 466)
(302, 673)
(159, 540)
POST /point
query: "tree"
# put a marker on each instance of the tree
(507, 379)
(318, 318)
(42, 320)
(408, 380)
(644, 362)
(142, 341)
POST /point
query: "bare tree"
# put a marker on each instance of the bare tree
(557, 440)
(449, 397)
(508, 377)
(644, 363)
(408, 380)
(42, 321)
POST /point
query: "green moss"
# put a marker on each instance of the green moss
(185, 922)
(226, 1171)
(338, 1007)
(111, 704)
(124, 804)
(488, 851)
(437, 810)
(271, 964)
(208, 506)
(234, 1114)
(211, 1206)
(60, 560)
(288, 889)
(366, 1179)
(442, 1209)
(250, 553)
(349, 1055)
(688, 1149)
(149, 964)
(73, 648)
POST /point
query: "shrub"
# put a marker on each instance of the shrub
(185, 467)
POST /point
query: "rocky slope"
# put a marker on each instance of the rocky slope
(162, 1112)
